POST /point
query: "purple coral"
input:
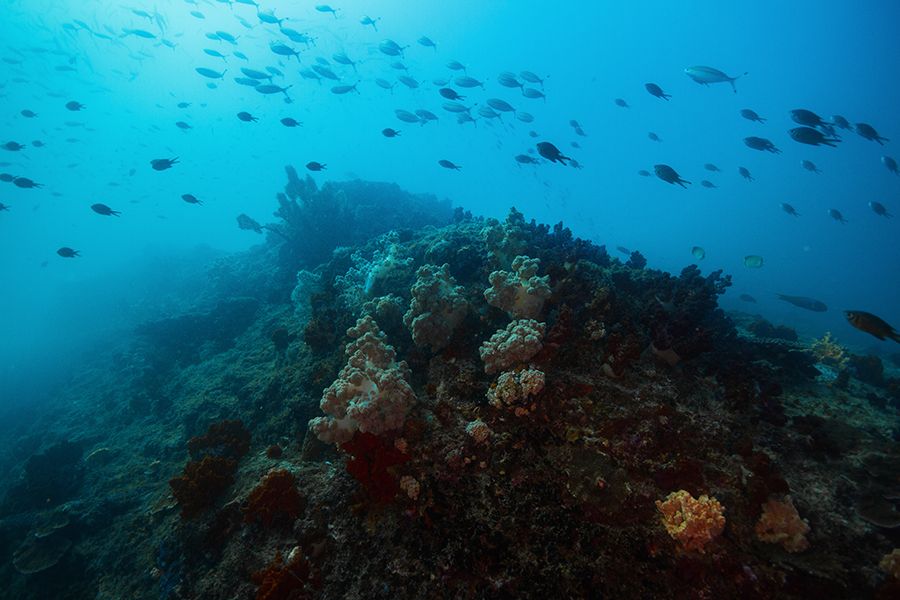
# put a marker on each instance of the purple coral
(521, 293)
(438, 305)
(371, 393)
(516, 344)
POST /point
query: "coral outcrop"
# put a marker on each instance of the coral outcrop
(692, 522)
(780, 523)
(521, 293)
(437, 307)
(516, 344)
(514, 390)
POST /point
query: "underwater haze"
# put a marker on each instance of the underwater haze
(144, 152)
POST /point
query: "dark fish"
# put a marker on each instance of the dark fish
(12, 146)
(654, 137)
(283, 50)
(868, 132)
(531, 78)
(890, 164)
(102, 209)
(840, 121)
(872, 325)
(551, 153)
(745, 173)
(620, 102)
(249, 224)
(449, 165)
(25, 183)
(804, 302)
(161, 164)
(6, 177)
(391, 48)
(268, 88)
(74, 106)
(455, 65)
(247, 81)
(524, 159)
(509, 80)
(669, 175)
(810, 166)
(812, 137)
(712, 167)
(343, 59)
(836, 215)
(450, 94)
(751, 115)
(389, 133)
(408, 81)
(789, 209)
(227, 37)
(406, 116)
(656, 91)
(708, 184)
(425, 116)
(759, 143)
(183, 104)
(210, 73)
(290, 122)
(67, 252)
(524, 116)
(879, 209)
(807, 117)
(182, 125)
(501, 105)
(247, 117)
(191, 199)
(644, 173)
(747, 298)
(325, 72)
(314, 166)
(464, 81)
(29, 114)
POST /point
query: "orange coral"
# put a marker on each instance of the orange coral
(693, 522)
(275, 499)
(780, 523)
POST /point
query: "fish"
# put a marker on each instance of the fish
(654, 136)
(669, 175)
(290, 122)
(533, 93)
(408, 81)
(509, 80)
(501, 105)
(315, 166)
(183, 104)
(247, 117)
(753, 261)
(621, 103)
(325, 8)
(268, 17)
(869, 323)
(531, 77)
(711, 167)
(215, 53)
(551, 153)
(310, 74)
(74, 106)
(450, 94)
(427, 42)
(385, 84)
(425, 116)
(751, 115)
(7, 178)
(25, 183)
(760, 143)
(161, 164)
(455, 65)
(807, 118)
(182, 125)
(343, 89)
(708, 184)
(789, 209)
(524, 117)
(810, 166)
(191, 199)
(325, 72)
(449, 165)
(868, 132)
(879, 209)
(247, 223)
(391, 48)
(28, 114)
(745, 173)
(296, 36)
(254, 74)
(644, 173)
(3, 207)
(890, 164)
(747, 298)
(367, 20)
(247, 81)
(812, 137)
(399, 66)
(268, 88)
(656, 91)
(240, 55)
(141, 33)
(836, 215)
(227, 37)
(12, 146)
(707, 75)
(524, 159)
(102, 209)
(839, 121)
(212, 74)
(406, 116)
(343, 59)
(389, 133)
(698, 252)
(464, 81)
(804, 302)
(67, 252)
(283, 50)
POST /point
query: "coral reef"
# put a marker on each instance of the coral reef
(829, 352)
(201, 483)
(514, 389)
(437, 308)
(692, 522)
(372, 463)
(286, 580)
(371, 393)
(780, 523)
(518, 343)
(521, 293)
(276, 499)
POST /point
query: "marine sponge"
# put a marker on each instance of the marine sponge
(520, 293)
(520, 341)
(438, 306)
(275, 499)
(371, 393)
(780, 523)
(514, 388)
(693, 522)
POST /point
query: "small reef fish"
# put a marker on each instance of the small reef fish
(449, 165)
(102, 209)
(804, 302)
(669, 175)
(656, 91)
(753, 261)
(67, 252)
(551, 153)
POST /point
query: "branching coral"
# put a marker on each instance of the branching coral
(521, 293)
(371, 393)
(519, 342)
(438, 306)
(780, 523)
(514, 389)
(693, 522)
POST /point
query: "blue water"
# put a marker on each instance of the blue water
(832, 58)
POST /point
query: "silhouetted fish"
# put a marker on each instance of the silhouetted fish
(804, 302)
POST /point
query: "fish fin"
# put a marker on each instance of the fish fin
(894, 336)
